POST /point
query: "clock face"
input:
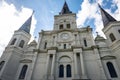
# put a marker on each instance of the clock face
(65, 36)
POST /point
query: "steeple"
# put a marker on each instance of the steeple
(65, 9)
(27, 25)
(106, 17)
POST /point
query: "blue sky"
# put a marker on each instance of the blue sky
(13, 13)
(45, 10)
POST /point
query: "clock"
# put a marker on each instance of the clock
(65, 36)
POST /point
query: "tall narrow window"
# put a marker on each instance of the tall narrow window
(112, 37)
(85, 42)
(22, 42)
(2, 64)
(111, 69)
(23, 72)
(64, 46)
(61, 71)
(119, 31)
(68, 70)
(13, 41)
(45, 46)
(61, 26)
(68, 26)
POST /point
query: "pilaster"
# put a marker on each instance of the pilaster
(83, 74)
(51, 52)
(102, 73)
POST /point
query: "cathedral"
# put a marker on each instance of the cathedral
(64, 53)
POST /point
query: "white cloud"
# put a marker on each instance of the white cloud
(10, 20)
(91, 10)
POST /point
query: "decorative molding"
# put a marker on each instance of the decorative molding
(63, 50)
(94, 46)
(52, 48)
(108, 57)
(26, 61)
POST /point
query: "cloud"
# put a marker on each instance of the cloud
(10, 20)
(91, 11)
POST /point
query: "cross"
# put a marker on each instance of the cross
(97, 33)
(35, 37)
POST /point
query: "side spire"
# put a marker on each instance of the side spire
(106, 17)
(27, 25)
(65, 9)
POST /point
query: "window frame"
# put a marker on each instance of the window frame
(68, 26)
(65, 46)
(13, 41)
(112, 37)
(119, 30)
(68, 71)
(21, 44)
(61, 71)
(85, 42)
(111, 69)
(23, 72)
(45, 45)
(61, 26)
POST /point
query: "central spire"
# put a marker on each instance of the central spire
(65, 9)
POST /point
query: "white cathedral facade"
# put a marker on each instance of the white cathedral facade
(64, 53)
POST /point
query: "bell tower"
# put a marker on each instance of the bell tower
(66, 20)
(111, 28)
(9, 61)
(112, 32)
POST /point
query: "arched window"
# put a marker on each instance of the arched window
(2, 64)
(111, 69)
(61, 26)
(68, 26)
(112, 37)
(21, 43)
(61, 71)
(13, 41)
(68, 70)
(23, 72)
(85, 42)
(45, 45)
(64, 46)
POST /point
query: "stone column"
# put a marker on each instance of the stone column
(40, 39)
(52, 68)
(76, 76)
(52, 51)
(47, 66)
(83, 76)
(98, 60)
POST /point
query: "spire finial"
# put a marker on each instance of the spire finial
(97, 33)
(35, 37)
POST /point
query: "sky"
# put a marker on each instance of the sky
(13, 13)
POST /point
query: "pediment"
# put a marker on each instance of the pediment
(108, 57)
(25, 61)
